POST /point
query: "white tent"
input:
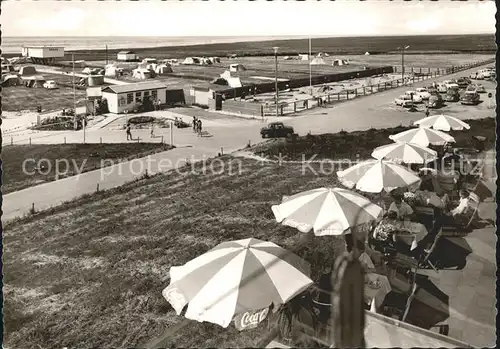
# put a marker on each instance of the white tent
(321, 54)
(338, 62)
(111, 71)
(10, 80)
(287, 58)
(234, 82)
(151, 66)
(191, 60)
(303, 57)
(142, 74)
(367, 53)
(317, 61)
(215, 59)
(163, 69)
(150, 60)
(237, 67)
(205, 61)
(170, 61)
(88, 70)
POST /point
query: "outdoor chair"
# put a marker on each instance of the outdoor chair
(465, 221)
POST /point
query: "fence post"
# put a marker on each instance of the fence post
(30, 140)
(371, 89)
(338, 96)
(138, 139)
(221, 151)
(347, 96)
(281, 106)
(100, 140)
(11, 140)
(294, 107)
(32, 207)
(162, 139)
(355, 93)
(364, 91)
(420, 70)
(97, 189)
(328, 98)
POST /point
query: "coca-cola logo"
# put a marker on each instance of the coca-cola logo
(249, 319)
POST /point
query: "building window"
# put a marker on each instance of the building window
(138, 96)
(146, 93)
(154, 94)
(130, 98)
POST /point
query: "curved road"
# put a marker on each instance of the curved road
(359, 113)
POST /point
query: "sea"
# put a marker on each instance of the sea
(14, 44)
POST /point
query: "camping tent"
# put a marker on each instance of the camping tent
(219, 81)
(215, 59)
(7, 68)
(142, 74)
(191, 60)
(303, 57)
(88, 70)
(367, 53)
(10, 80)
(338, 62)
(27, 70)
(234, 82)
(33, 81)
(321, 54)
(151, 66)
(236, 67)
(170, 61)
(111, 71)
(317, 61)
(205, 61)
(163, 69)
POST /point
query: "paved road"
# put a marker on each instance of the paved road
(357, 114)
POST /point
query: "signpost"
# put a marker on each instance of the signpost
(490, 99)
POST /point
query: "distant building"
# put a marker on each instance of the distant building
(43, 54)
(127, 56)
(125, 97)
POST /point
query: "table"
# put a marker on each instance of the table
(375, 296)
(416, 232)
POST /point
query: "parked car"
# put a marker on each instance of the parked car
(486, 73)
(275, 130)
(452, 95)
(476, 88)
(435, 101)
(423, 93)
(470, 98)
(442, 88)
(450, 84)
(404, 101)
(414, 96)
(463, 82)
(50, 84)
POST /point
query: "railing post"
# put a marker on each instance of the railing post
(338, 96)
(294, 107)
(30, 140)
(371, 89)
(11, 140)
(281, 109)
(364, 91)
(347, 96)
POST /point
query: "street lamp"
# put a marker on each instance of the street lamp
(276, 76)
(310, 68)
(403, 48)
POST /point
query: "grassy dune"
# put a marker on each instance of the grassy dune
(86, 157)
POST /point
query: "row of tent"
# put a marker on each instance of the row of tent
(200, 60)
(29, 81)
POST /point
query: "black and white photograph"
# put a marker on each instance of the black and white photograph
(236, 174)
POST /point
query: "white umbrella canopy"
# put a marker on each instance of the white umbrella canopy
(235, 278)
(442, 122)
(405, 152)
(423, 136)
(374, 176)
(328, 211)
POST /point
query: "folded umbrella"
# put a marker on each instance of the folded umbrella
(241, 278)
(328, 211)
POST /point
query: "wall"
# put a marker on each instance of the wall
(242, 107)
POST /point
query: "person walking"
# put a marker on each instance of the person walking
(199, 127)
(194, 123)
(129, 133)
(427, 113)
(152, 130)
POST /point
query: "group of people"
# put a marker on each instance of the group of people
(197, 125)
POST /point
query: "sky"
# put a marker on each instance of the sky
(243, 18)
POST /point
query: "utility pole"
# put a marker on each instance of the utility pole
(310, 68)
(403, 48)
(276, 77)
(106, 54)
(74, 91)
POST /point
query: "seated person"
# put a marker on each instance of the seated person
(402, 209)
(386, 229)
(459, 210)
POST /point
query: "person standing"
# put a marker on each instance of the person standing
(152, 129)
(427, 113)
(129, 133)
(194, 123)
(199, 127)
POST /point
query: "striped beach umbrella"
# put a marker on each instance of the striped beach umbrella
(374, 176)
(423, 136)
(237, 280)
(442, 122)
(405, 152)
(328, 211)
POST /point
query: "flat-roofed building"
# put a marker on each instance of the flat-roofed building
(43, 54)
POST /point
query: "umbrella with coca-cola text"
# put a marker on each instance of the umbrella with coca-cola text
(237, 280)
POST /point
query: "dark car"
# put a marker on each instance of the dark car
(275, 130)
(452, 95)
(463, 82)
(470, 98)
(435, 100)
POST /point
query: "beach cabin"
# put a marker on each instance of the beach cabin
(202, 93)
(123, 98)
(127, 56)
(43, 54)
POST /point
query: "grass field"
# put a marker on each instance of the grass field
(339, 45)
(349, 145)
(86, 157)
(103, 260)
